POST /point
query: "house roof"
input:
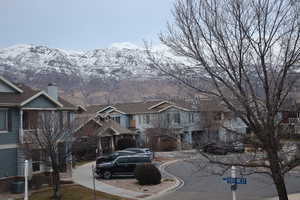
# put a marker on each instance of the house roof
(119, 130)
(17, 99)
(209, 105)
(102, 125)
(140, 107)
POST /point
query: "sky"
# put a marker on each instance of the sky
(82, 24)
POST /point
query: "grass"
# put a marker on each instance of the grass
(74, 192)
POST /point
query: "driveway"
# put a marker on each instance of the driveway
(82, 175)
(202, 185)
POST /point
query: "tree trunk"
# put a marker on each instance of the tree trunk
(277, 176)
(56, 185)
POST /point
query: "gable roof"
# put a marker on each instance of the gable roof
(41, 93)
(138, 107)
(119, 130)
(28, 94)
(10, 84)
(102, 127)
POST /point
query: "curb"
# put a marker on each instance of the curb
(111, 190)
(177, 186)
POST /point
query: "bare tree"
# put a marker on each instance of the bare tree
(161, 128)
(245, 52)
(51, 132)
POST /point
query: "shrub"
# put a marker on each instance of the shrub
(38, 180)
(147, 174)
(124, 143)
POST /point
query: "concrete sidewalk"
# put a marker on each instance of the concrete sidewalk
(291, 197)
(82, 175)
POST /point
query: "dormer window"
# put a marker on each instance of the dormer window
(3, 120)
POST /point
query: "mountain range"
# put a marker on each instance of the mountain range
(93, 76)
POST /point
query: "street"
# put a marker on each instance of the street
(203, 185)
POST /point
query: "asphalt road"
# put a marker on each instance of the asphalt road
(202, 184)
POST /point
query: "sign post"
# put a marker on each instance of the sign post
(94, 184)
(234, 184)
(26, 180)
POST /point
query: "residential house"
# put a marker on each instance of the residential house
(290, 118)
(20, 108)
(100, 133)
(218, 123)
(142, 116)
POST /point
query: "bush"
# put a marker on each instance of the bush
(124, 143)
(38, 180)
(147, 174)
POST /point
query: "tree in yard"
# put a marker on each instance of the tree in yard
(162, 135)
(51, 134)
(244, 53)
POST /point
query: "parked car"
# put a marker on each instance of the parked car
(215, 148)
(238, 147)
(144, 151)
(122, 165)
(113, 156)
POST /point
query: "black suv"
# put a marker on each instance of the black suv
(113, 156)
(122, 165)
(215, 148)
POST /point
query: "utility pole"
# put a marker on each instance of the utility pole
(26, 180)
(234, 185)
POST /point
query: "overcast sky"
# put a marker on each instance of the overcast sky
(82, 24)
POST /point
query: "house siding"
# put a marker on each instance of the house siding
(5, 88)
(8, 162)
(40, 102)
(12, 136)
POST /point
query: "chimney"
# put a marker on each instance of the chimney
(52, 91)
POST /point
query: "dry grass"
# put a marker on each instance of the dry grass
(73, 192)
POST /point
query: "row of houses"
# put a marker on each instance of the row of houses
(185, 123)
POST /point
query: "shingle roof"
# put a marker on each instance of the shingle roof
(209, 105)
(136, 107)
(116, 127)
(15, 99)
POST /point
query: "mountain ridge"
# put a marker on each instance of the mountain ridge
(99, 75)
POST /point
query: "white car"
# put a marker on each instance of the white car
(144, 151)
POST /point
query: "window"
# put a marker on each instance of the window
(146, 119)
(177, 118)
(191, 117)
(3, 120)
(168, 118)
(36, 157)
(117, 119)
(218, 116)
(122, 160)
(140, 119)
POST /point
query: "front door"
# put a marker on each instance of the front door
(106, 145)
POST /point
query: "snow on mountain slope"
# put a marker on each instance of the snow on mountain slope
(118, 61)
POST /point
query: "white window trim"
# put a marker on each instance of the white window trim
(5, 131)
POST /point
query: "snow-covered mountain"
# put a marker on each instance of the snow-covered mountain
(118, 73)
(34, 61)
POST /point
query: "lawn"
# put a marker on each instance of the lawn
(73, 192)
